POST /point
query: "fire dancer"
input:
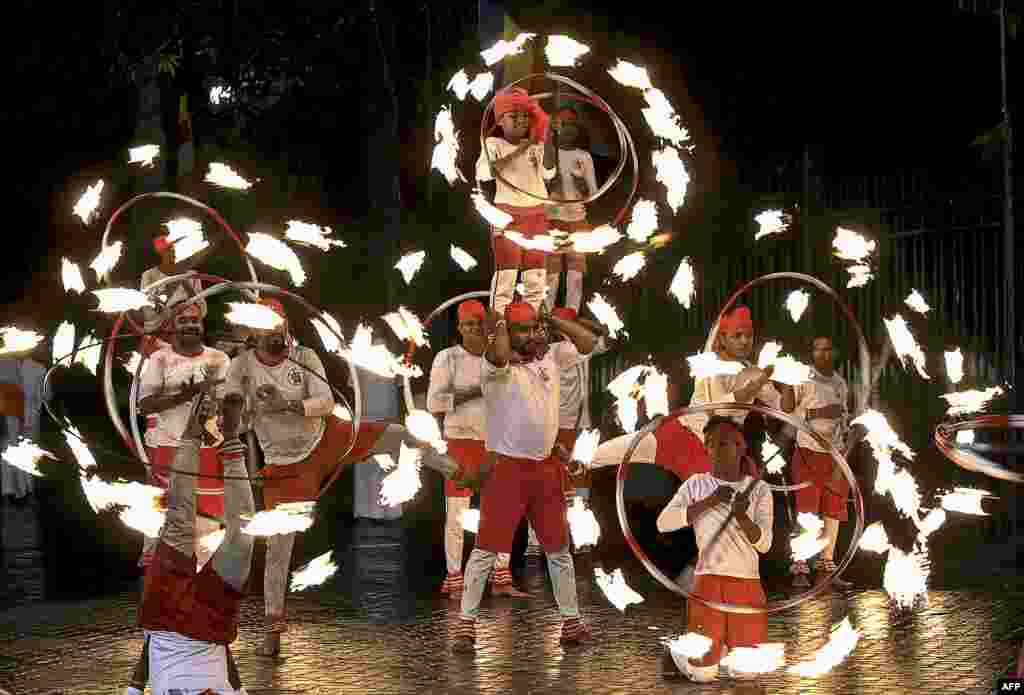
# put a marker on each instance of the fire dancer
(731, 514)
(521, 388)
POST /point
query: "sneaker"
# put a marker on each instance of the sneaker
(801, 573)
(575, 631)
(825, 567)
(464, 636)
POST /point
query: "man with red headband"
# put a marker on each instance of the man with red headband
(455, 391)
(731, 515)
(291, 404)
(520, 386)
(519, 162)
(159, 330)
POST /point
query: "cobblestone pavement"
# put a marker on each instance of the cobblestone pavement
(368, 631)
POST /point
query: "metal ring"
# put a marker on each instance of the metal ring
(968, 460)
(773, 606)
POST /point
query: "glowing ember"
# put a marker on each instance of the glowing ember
(906, 577)
(323, 325)
(764, 658)
(226, 177)
(606, 314)
(850, 246)
(594, 241)
(424, 427)
(63, 342)
(585, 446)
(904, 344)
(628, 412)
(503, 48)
(840, 645)
(582, 524)
(107, 259)
(402, 484)
(255, 316)
(859, 276)
(628, 267)
(965, 500)
(796, 304)
(709, 364)
(626, 384)
(874, 539)
(615, 589)
(954, 365)
(17, 340)
(282, 519)
(276, 254)
(102, 495)
(118, 299)
(144, 154)
(692, 645)
(965, 437)
(407, 326)
(962, 402)
(79, 448)
(72, 277)
(462, 258)
(672, 174)
(771, 455)
(499, 219)
(211, 541)
(644, 221)
(790, 371)
(662, 118)
(563, 52)
(769, 353)
(87, 204)
(25, 455)
(144, 519)
(315, 573)
(311, 235)
(916, 302)
(470, 520)
(446, 147)
(630, 75)
(410, 264)
(684, 284)
(656, 393)
(769, 222)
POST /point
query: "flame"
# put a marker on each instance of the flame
(463, 259)
(497, 218)
(582, 524)
(222, 175)
(906, 576)
(965, 500)
(102, 495)
(606, 314)
(376, 358)
(402, 484)
(859, 276)
(796, 304)
(118, 299)
(17, 340)
(470, 520)
(63, 342)
(628, 267)
(585, 446)
(407, 326)
(881, 436)
(962, 402)
(251, 315)
(276, 254)
(929, 524)
(628, 411)
(684, 284)
(323, 325)
(764, 658)
(220, 94)
(342, 413)
(281, 520)
(79, 448)
(905, 495)
(790, 371)
(446, 147)
(72, 277)
(424, 427)
(410, 263)
(965, 437)
(769, 222)
(564, 52)
(904, 344)
(314, 573)
(850, 246)
(107, 259)
(840, 645)
(182, 227)
(709, 364)
(311, 235)
(543, 242)
(594, 241)
(630, 75)
(811, 541)
(874, 539)
(625, 385)
(479, 87)
(656, 393)
(143, 154)
(644, 221)
(916, 302)
(769, 353)
(211, 541)
(25, 455)
(503, 49)
(86, 206)
(148, 521)
(692, 645)
(385, 461)
(770, 454)
(671, 173)
(662, 118)
(615, 589)
(954, 365)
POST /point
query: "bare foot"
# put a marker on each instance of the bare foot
(508, 590)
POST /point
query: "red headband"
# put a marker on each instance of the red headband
(161, 244)
(738, 319)
(520, 312)
(565, 313)
(518, 99)
(471, 308)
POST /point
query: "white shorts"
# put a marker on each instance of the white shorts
(179, 665)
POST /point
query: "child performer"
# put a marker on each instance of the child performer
(524, 157)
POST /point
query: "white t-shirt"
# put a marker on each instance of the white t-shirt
(525, 171)
(167, 371)
(284, 437)
(572, 163)
(732, 555)
(574, 406)
(719, 389)
(522, 403)
(457, 369)
(819, 392)
(180, 665)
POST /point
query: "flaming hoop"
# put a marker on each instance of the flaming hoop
(962, 454)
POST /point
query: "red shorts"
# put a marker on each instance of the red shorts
(530, 222)
(209, 491)
(518, 488)
(822, 496)
(568, 260)
(301, 481)
(680, 450)
(733, 629)
(469, 454)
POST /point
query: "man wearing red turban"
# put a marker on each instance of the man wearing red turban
(519, 162)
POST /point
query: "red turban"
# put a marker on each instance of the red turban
(517, 99)
(471, 308)
(565, 313)
(161, 244)
(274, 306)
(738, 319)
(520, 312)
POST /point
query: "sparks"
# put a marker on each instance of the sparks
(672, 174)
(850, 246)
(563, 52)
(916, 302)
(606, 314)
(769, 353)
(402, 484)
(409, 264)
(594, 241)
(462, 258)
(965, 500)
(859, 276)
(585, 446)
(222, 175)
(72, 277)
(684, 284)
(582, 524)
(615, 589)
(840, 645)
(117, 299)
(906, 577)
(502, 49)
(965, 437)
(954, 365)
(102, 495)
(406, 326)
(663, 119)
(283, 519)
(79, 448)
(770, 454)
(628, 267)
(790, 371)
(331, 339)
(276, 254)
(311, 235)
(874, 539)
(25, 456)
(17, 340)
(709, 364)
(446, 147)
(628, 412)
(107, 259)
(656, 393)
(63, 342)
(769, 222)
(692, 645)
(470, 520)
(424, 427)
(764, 658)
(497, 218)
(314, 573)
(796, 304)
(251, 315)
(143, 154)
(904, 343)
(963, 402)
(629, 75)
